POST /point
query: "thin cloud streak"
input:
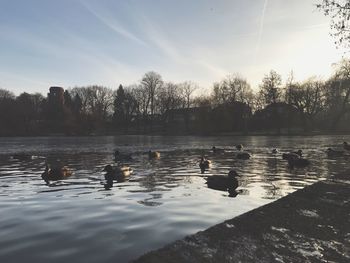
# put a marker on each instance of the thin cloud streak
(165, 45)
(114, 26)
(261, 29)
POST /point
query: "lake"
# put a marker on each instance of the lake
(77, 220)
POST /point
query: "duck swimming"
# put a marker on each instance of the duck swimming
(243, 156)
(55, 173)
(217, 150)
(153, 155)
(239, 147)
(118, 174)
(334, 153)
(298, 162)
(346, 146)
(204, 164)
(295, 155)
(274, 151)
(223, 182)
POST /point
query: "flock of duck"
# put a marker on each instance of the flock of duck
(227, 182)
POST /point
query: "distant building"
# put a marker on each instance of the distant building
(55, 105)
(231, 117)
(188, 120)
(276, 116)
(56, 96)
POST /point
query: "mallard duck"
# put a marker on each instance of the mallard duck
(333, 153)
(57, 172)
(243, 156)
(153, 155)
(122, 157)
(223, 182)
(292, 155)
(239, 147)
(204, 164)
(346, 146)
(117, 173)
(299, 152)
(298, 162)
(217, 150)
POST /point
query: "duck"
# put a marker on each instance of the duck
(22, 156)
(204, 164)
(274, 151)
(287, 156)
(122, 157)
(346, 146)
(299, 152)
(334, 153)
(117, 173)
(217, 150)
(294, 155)
(243, 156)
(239, 147)
(298, 162)
(58, 172)
(223, 182)
(153, 155)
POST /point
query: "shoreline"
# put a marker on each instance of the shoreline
(309, 225)
(185, 135)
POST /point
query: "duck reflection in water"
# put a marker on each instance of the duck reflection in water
(225, 183)
(119, 174)
(55, 172)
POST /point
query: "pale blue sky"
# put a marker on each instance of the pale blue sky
(108, 42)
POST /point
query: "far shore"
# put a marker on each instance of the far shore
(226, 134)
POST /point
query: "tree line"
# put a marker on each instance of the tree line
(155, 106)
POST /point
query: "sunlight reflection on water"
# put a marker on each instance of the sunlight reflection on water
(78, 220)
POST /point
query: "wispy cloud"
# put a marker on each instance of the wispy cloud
(177, 55)
(261, 27)
(114, 25)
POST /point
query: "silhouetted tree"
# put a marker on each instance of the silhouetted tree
(231, 89)
(168, 99)
(339, 12)
(187, 90)
(119, 106)
(7, 113)
(6, 94)
(338, 93)
(151, 81)
(308, 98)
(270, 88)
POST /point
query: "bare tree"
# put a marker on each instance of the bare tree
(231, 89)
(338, 92)
(6, 94)
(151, 81)
(339, 12)
(308, 98)
(187, 90)
(169, 98)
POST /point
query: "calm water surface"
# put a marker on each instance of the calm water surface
(77, 220)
